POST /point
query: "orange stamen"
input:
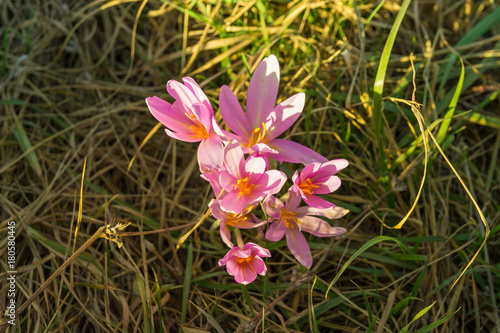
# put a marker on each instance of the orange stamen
(307, 186)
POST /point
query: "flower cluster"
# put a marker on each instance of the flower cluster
(237, 165)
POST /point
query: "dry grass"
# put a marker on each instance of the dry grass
(74, 79)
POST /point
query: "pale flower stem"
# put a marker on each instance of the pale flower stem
(239, 240)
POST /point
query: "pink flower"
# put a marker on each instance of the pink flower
(263, 122)
(318, 178)
(289, 219)
(243, 220)
(211, 175)
(190, 119)
(246, 181)
(245, 263)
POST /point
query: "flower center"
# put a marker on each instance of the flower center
(199, 131)
(245, 260)
(289, 217)
(235, 219)
(258, 136)
(307, 186)
(244, 187)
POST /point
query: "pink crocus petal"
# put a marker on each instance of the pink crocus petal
(294, 152)
(273, 181)
(234, 159)
(262, 91)
(264, 150)
(167, 115)
(245, 274)
(186, 137)
(298, 245)
(233, 203)
(255, 165)
(328, 185)
(227, 181)
(285, 114)
(276, 231)
(203, 115)
(225, 234)
(331, 213)
(259, 266)
(317, 202)
(257, 250)
(211, 152)
(184, 97)
(228, 256)
(319, 227)
(232, 113)
(273, 206)
(293, 201)
(198, 92)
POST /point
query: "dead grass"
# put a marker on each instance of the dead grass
(74, 79)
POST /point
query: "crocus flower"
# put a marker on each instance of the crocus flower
(245, 263)
(289, 219)
(258, 129)
(190, 119)
(246, 181)
(243, 220)
(318, 178)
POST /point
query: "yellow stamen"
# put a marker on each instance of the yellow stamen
(259, 135)
(289, 219)
(244, 187)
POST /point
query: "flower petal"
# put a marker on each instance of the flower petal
(273, 206)
(225, 234)
(234, 159)
(315, 201)
(232, 113)
(259, 266)
(184, 97)
(328, 185)
(211, 152)
(331, 213)
(298, 245)
(198, 92)
(285, 114)
(319, 227)
(294, 152)
(276, 231)
(271, 182)
(169, 116)
(186, 137)
(262, 91)
(255, 165)
(246, 274)
(233, 203)
(257, 250)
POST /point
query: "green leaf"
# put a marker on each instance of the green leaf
(443, 129)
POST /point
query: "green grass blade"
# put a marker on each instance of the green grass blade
(483, 26)
(367, 245)
(187, 283)
(443, 129)
(378, 87)
(25, 144)
(432, 326)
